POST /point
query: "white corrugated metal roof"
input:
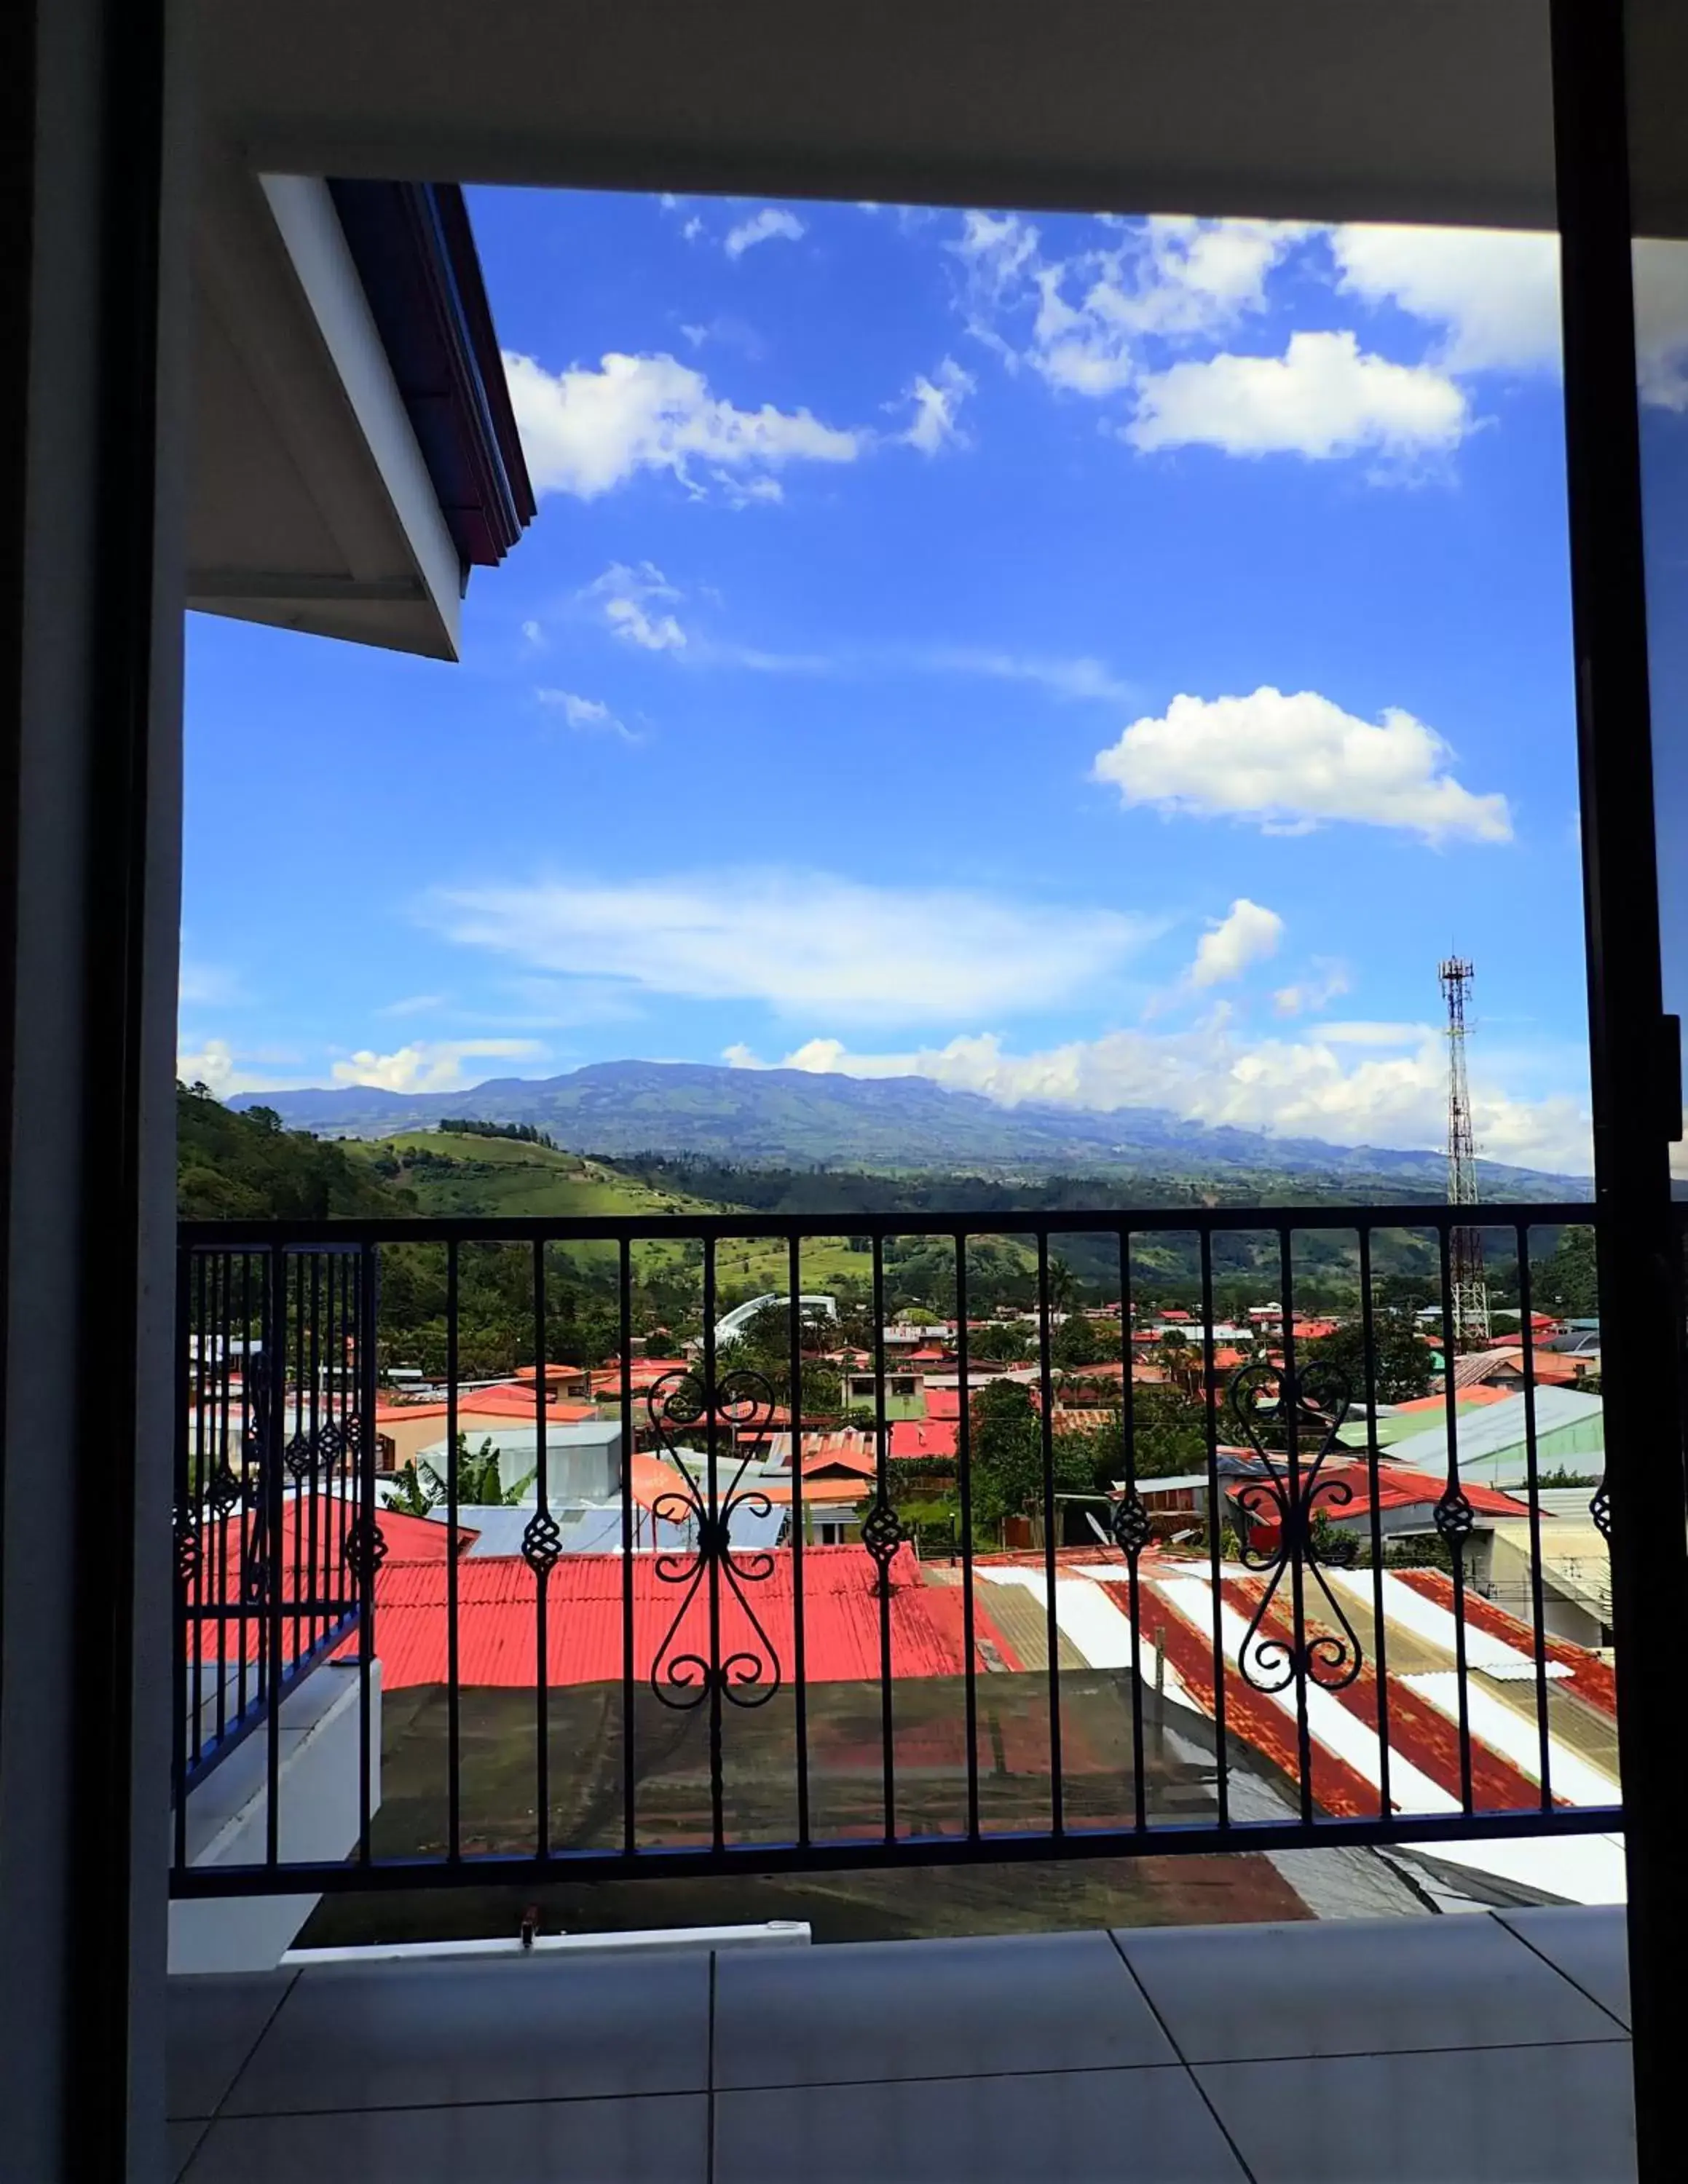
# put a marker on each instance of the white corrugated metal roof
(1495, 1427)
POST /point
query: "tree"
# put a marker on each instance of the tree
(1075, 1342)
(1402, 1363)
(409, 1497)
(1567, 1282)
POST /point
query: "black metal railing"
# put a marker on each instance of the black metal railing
(705, 1637)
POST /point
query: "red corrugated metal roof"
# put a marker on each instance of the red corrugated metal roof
(505, 1401)
(924, 1437)
(497, 1625)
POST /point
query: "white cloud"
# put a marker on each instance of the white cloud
(1376, 1034)
(429, 1066)
(585, 432)
(1325, 981)
(534, 632)
(587, 714)
(1323, 397)
(218, 1066)
(1291, 762)
(693, 229)
(634, 603)
(1081, 321)
(200, 984)
(1307, 1087)
(413, 1005)
(770, 224)
(936, 402)
(1246, 934)
(1494, 293)
(801, 941)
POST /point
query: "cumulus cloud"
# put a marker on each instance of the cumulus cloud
(637, 606)
(585, 431)
(1246, 934)
(799, 941)
(771, 225)
(1494, 293)
(1324, 980)
(429, 1066)
(1081, 321)
(936, 403)
(1308, 1087)
(1323, 397)
(224, 1071)
(589, 715)
(1292, 762)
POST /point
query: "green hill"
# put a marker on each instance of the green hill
(247, 1167)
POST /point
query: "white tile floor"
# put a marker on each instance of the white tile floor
(1477, 2050)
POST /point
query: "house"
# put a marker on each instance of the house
(1492, 1440)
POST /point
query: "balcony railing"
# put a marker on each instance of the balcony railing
(713, 1631)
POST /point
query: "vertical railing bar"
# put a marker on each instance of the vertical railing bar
(351, 1462)
(800, 1695)
(272, 1565)
(189, 1391)
(882, 1497)
(1296, 1530)
(542, 1572)
(1367, 1330)
(301, 1616)
(1128, 1447)
(712, 1505)
(368, 1532)
(205, 1287)
(254, 1414)
(964, 1457)
(1051, 1620)
(454, 1718)
(628, 1777)
(1532, 1472)
(1455, 1487)
(1214, 1509)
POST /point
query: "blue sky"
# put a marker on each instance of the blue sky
(1081, 659)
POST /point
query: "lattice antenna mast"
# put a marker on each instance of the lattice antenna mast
(1471, 1290)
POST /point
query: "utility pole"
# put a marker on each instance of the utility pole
(1471, 1290)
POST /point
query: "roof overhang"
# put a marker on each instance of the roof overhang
(1425, 110)
(353, 454)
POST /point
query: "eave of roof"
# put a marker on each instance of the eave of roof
(415, 254)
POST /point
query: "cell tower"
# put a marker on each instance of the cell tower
(1471, 1291)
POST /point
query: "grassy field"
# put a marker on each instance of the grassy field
(497, 1177)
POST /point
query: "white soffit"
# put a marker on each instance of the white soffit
(310, 506)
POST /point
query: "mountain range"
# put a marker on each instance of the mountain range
(792, 1118)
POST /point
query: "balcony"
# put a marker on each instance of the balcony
(1285, 1658)
(1488, 2047)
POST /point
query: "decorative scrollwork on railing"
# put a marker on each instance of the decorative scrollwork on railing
(542, 1543)
(185, 1539)
(1129, 1526)
(1301, 1411)
(883, 1532)
(1453, 1517)
(1600, 1510)
(365, 1550)
(745, 1673)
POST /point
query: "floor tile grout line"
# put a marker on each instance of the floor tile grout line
(240, 2068)
(709, 2081)
(1219, 2123)
(1569, 1982)
(1176, 2061)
